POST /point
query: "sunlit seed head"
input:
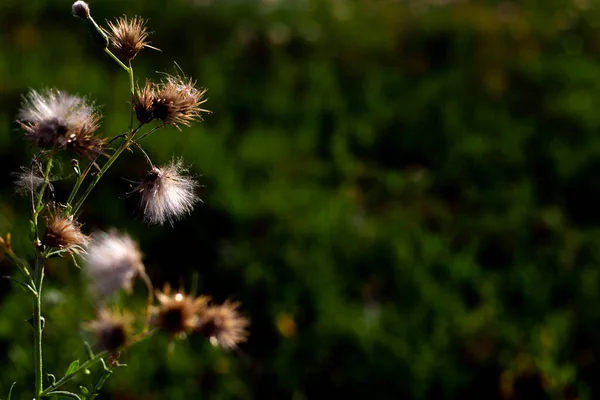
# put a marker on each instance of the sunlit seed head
(64, 232)
(128, 36)
(177, 101)
(54, 119)
(177, 313)
(167, 194)
(223, 325)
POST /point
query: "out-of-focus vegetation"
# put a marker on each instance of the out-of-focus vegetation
(405, 195)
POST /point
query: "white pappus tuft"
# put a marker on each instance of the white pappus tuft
(167, 194)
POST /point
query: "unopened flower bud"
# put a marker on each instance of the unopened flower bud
(81, 9)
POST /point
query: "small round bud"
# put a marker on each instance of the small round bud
(81, 9)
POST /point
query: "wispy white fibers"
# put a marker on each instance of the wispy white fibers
(167, 194)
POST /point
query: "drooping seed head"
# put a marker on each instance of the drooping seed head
(223, 325)
(113, 262)
(166, 193)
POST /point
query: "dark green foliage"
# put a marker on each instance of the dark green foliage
(404, 198)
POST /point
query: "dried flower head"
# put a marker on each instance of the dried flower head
(177, 312)
(174, 100)
(81, 9)
(167, 194)
(113, 262)
(128, 37)
(223, 325)
(56, 119)
(64, 232)
(112, 329)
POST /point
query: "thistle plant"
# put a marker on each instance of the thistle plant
(55, 122)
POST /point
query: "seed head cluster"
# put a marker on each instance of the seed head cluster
(113, 262)
(174, 100)
(56, 119)
(128, 37)
(166, 193)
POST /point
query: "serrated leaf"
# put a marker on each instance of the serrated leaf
(61, 393)
(72, 368)
(10, 391)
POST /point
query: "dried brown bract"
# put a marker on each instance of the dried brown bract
(178, 312)
(56, 119)
(223, 325)
(64, 232)
(175, 101)
(113, 262)
(128, 37)
(111, 328)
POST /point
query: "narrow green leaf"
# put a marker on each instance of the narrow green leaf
(84, 390)
(23, 285)
(10, 391)
(72, 368)
(60, 393)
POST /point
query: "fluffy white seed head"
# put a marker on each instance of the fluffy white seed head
(167, 194)
(57, 118)
(113, 262)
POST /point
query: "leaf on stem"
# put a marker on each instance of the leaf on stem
(72, 368)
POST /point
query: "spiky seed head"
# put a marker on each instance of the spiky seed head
(166, 193)
(113, 262)
(56, 119)
(64, 232)
(175, 101)
(223, 325)
(112, 329)
(143, 102)
(128, 37)
(81, 9)
(178, 312)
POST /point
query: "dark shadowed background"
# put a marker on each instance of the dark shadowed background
(404, 195)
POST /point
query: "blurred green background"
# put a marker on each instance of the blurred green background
(404, 195)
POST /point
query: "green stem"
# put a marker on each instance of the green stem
(86, 365)
(40, 199)
(131, 93)
(110, 53)
(37, 325)
(100, 173)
